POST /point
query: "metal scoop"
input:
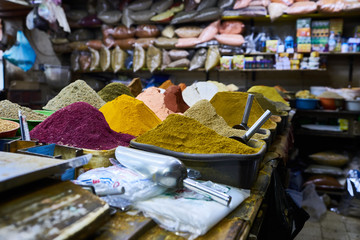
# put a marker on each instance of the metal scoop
(166, 171)
(243, 125)
(254, 128)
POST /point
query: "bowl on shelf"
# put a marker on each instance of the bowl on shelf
(14, 126)
(332, 103)
(57, 77)
(306, 103)
(352, 105)
(317, 90)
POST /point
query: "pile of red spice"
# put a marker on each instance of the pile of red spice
(174, 100)
(79, 125)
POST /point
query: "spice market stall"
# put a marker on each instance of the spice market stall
(154, 116)
(196, 135)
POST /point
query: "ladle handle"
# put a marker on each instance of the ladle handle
(257, 125)
(217, 196)
(247, 109)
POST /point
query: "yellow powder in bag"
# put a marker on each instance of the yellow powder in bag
(231, 106)
(126, 114)
(268, 92)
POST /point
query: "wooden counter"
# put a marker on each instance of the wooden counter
(236, 225)
(48, 198)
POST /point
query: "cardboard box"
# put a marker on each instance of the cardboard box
(303, 34)
(320, 35)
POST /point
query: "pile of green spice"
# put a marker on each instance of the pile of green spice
(113, 90)
(205, 113)
(78, 91)
(267, 104)
(11, 110)
(183, 134)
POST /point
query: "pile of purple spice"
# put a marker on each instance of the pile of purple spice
(79, 125)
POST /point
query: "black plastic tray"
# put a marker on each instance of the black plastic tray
(238, 170)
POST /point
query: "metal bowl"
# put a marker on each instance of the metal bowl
(352, 105)
(57, 77)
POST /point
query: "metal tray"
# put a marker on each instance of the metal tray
(56, 151)
(238, 170)
(53, 151)
(17, 169)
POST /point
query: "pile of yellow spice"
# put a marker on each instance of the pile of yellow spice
(183, 134)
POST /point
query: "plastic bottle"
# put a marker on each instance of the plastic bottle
(289, 44)
(262, 42)
(332, 42)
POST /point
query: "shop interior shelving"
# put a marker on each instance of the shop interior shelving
(319, 115)
(212, 70)
(251, 21)
(353, 14)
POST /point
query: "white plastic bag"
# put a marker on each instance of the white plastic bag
(188, 213)
(312, 203)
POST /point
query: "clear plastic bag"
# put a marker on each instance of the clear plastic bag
(198, 61)
(330, 158)
(209, 32)
(118, 57)
(116, 179)
(139, 58)
(230, 39)
(167, 43)
(323, 169)
(110, 17)
(276, 10)
(330, 6)
(241, 4)
(350, 202)
(168, 31)
(312, 203)
(176, 54)
(206, 4)
(142, 16)
(153, 58)
(186, 42)
(231, 27)
(188, 31)
(301, 8)
(212, 58)
(139, 5)
(161, 5)
(208, 14)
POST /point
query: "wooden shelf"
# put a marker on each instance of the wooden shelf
(321, 53)
(274, 70)
(327, 112)
(312, 116)
(325, 133)
(354, 14)
(340, 53)
(203, 70)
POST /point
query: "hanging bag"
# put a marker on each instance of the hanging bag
(21, 54)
